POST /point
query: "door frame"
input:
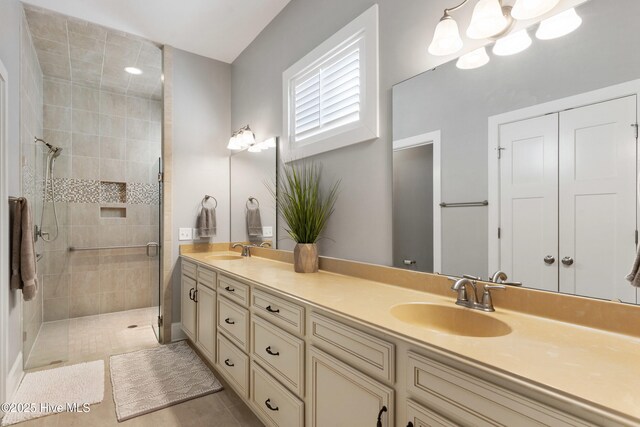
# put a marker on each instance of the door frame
(427, 139)
(4, 223)
(552, 107)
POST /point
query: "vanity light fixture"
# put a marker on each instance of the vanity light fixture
(488, 20)
(559, 25)
(529, 9)
(241, 139)
(133, 70)
(512, 44)
(474, 59)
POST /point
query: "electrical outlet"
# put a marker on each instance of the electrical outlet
(185, 234)
(267, 231)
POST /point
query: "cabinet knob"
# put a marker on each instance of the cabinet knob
(228, 363)
(228, 321)
(268, 404)
(549, 259)
(567, 260)
(273, 353)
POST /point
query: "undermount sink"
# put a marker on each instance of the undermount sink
(451, 320)
(223, 257)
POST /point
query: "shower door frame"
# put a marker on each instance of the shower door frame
(4, 223)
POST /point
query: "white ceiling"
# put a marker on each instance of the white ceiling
(218, 29)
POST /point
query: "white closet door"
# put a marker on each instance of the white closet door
(529, 201)
(597, 199)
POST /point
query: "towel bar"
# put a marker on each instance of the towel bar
(100, 248)
(464, 204)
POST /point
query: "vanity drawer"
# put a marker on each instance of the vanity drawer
(467, 400)
(267, 395)
(234, 290)
(280, 351)
(189, 269)
(207, 278)
(234, 364)
(363, 351)
(234, 320)
(419, 416)
(283, 313)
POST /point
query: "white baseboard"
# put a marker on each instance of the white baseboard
(177, 334)
(14, 377)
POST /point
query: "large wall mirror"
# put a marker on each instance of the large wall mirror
(528, 164)
(253, 208)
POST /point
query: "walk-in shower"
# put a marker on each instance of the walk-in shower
(49, 191)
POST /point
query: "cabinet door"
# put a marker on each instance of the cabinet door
(342, 396)
(529, 201)
(419, 416)
(206, 305)
(598, 199)
(188, 307)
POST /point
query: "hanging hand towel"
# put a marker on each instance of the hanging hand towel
(634, 276)
(206, 224)
(254, 223)
(23, 254)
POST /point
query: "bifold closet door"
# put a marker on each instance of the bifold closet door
(597, 200)
(529, 201)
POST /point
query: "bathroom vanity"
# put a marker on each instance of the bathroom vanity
(331, 349)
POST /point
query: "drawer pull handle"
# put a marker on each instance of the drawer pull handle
(268, 349)
(229, 289)
(191, 293)
(228, 321)
(271, 310)
(268, 403)
(195, 296)
(382, 411)
(228, 363)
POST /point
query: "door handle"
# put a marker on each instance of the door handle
(191, 293)
(549, 259)
(195, 296)
(152, 245)
(567, 260)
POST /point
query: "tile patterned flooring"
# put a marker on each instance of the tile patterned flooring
(98, 337)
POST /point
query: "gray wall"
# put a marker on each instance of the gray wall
(10, 22)
(201, 130)
(361, 225)
(459, 102)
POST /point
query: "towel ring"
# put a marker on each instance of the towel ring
(206, 199)
(251, 200)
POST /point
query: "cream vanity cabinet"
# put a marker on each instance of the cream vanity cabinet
(198, 304)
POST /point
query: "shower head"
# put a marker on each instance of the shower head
(53, 150)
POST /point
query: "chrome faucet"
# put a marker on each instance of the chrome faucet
(460, 286)
(470, 300)
(246, 249)
(500, 277)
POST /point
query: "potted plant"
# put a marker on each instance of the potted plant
(305, 210)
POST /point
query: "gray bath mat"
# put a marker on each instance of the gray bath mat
(147, 380)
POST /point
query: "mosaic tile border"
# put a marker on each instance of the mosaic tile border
(93, 191)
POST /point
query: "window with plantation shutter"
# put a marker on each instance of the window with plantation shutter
(331, 95)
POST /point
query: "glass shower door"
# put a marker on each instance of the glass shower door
(154, 248)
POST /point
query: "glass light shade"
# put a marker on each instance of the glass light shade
(255, 148)
(487, 20)
(529, 9)
(233, 143)
(446, 38)
(512, 44)
(473, 59)
(559, 25)
(269, 143)
(247, 138)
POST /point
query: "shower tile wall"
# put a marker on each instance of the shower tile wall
(31, 126)
(111, 140)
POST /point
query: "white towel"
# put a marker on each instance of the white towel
(206, 224)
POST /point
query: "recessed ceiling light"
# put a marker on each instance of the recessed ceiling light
(133, 70)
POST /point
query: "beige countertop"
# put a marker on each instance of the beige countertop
(600, 368)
